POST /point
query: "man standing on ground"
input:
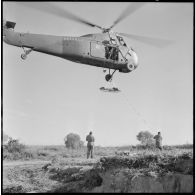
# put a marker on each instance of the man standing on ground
(158, 139)
(90, 145)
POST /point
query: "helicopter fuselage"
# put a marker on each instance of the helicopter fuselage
(93, 49)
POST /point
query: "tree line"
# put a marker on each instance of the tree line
(73, 140)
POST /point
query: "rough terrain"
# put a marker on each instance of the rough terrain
(141, 172)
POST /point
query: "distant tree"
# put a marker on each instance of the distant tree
(145, 137)
(73, 141)
(13, 146)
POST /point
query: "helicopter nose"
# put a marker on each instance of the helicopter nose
(132, 60)
(135, 59)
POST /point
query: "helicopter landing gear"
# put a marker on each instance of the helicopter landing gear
(23, 56)
(109, 76)
(26, 52)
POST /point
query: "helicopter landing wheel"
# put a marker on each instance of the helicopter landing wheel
(23, 56)
(108, 77)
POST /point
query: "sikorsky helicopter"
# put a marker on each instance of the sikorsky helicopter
(107, 49)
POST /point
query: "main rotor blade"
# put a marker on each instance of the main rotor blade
(157, 42)
(57, 11)
(129, 10)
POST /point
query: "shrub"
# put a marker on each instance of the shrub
(14, 150)
(146, 138)
(14, 146)
(73, 141)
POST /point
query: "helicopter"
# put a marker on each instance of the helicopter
(107, 49)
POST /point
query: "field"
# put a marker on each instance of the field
(113, 169)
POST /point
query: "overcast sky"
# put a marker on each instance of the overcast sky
(46, 97)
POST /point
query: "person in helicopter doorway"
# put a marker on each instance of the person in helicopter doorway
(158, 139)
(90, 145)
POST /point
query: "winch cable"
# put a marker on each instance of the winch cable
(129, 105)
(135, 110)
(110, 84)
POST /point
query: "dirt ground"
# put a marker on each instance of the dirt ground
(138, 173)
(24, 163)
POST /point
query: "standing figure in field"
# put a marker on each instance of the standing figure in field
(158, 139)
(90, 145)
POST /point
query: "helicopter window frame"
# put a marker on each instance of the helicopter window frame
(121, 41)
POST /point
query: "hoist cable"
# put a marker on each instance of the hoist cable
(135, 110)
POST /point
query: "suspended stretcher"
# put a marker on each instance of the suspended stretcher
(113, 89)
(109, 87)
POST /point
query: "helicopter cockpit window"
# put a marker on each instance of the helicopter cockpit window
(121, 41)
(111, 53)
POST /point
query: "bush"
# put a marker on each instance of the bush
(73, 141)
(146, 138)
(13, 146)
(14, 150)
